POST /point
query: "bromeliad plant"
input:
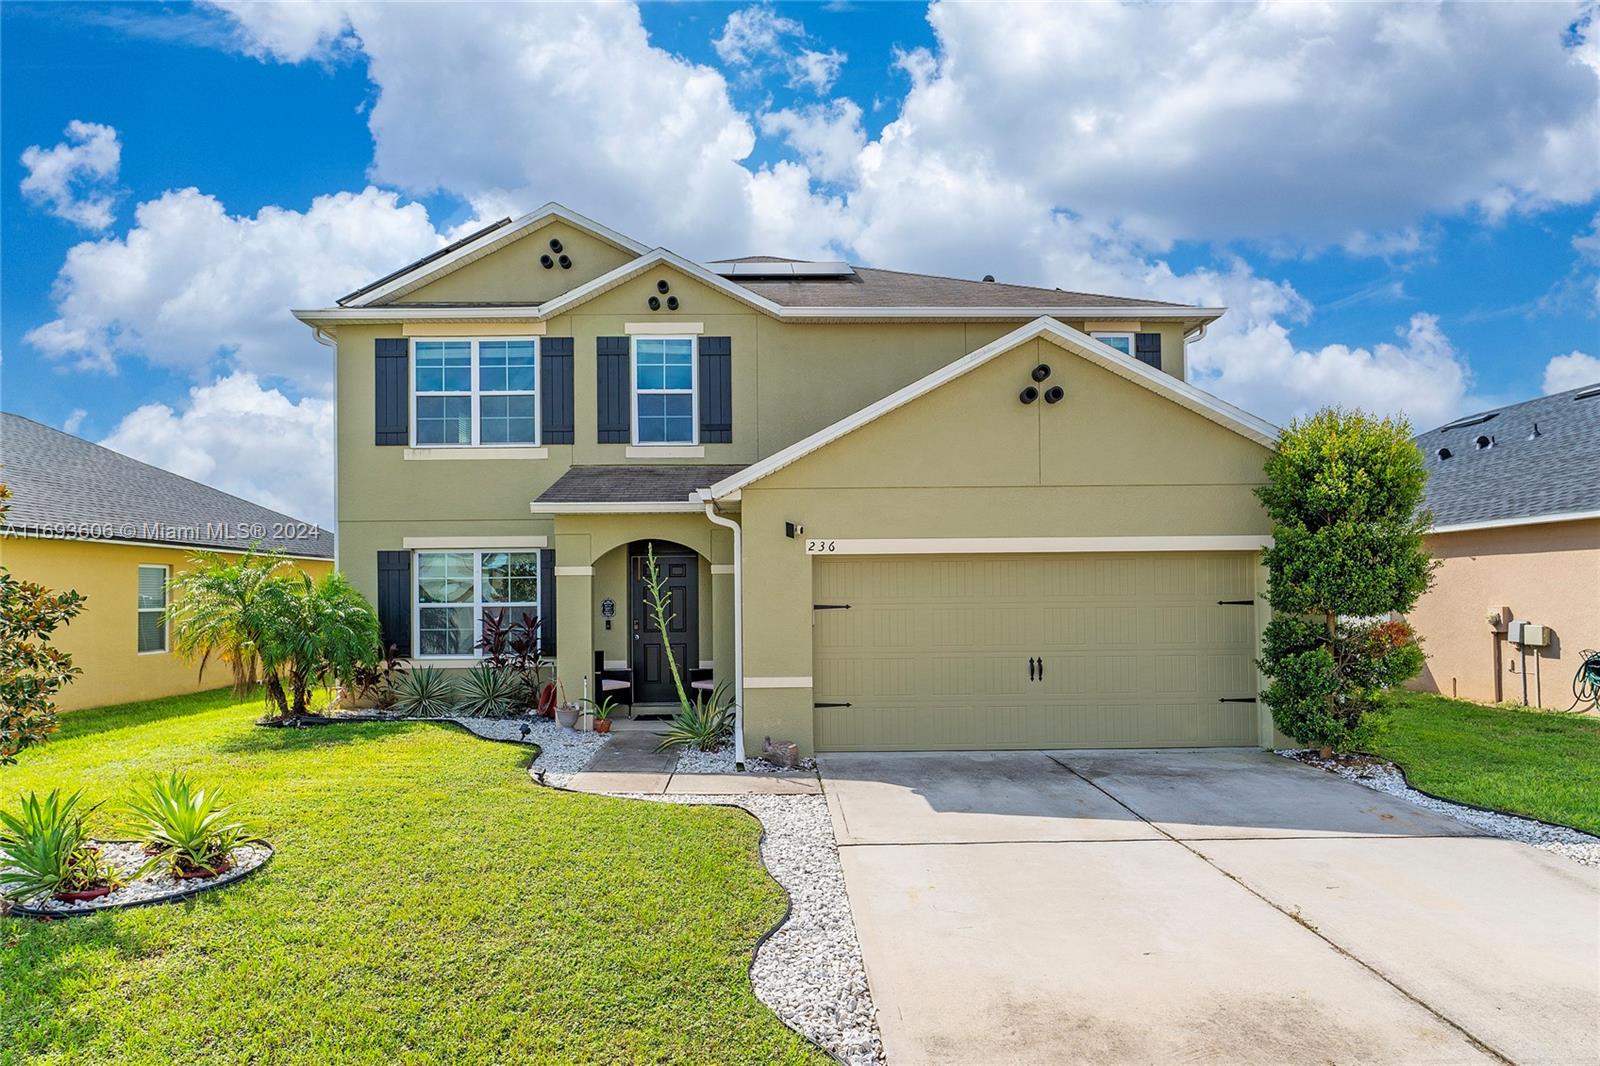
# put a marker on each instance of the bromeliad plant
(186, 826)
(48, 851)
(425, 692)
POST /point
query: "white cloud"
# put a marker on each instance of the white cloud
(74, 421)
(815, 70)
(754, 34)
(288, 31)
(191, 287)
(217, 438)
(827, 136)
(1571, 371)
(75, 180)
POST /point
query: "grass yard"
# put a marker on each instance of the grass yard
(1526, 762)
(428, 903)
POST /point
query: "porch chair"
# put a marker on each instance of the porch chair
(616, 682)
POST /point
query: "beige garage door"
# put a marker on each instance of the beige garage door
(1033, 651)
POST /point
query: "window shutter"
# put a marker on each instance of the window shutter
(391, 365)
(716, 390)
(1147, 348)
(547, 602)
(555, 390)
(615, 398)
(394, 600)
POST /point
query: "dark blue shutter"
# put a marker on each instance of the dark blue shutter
(555, 390)
(614, 397)
(716, 390)
(547, 602)
(391, 417)
(394, 600)
(1147, 348)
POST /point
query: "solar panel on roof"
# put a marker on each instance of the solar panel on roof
(1470, 420)
(784, 270)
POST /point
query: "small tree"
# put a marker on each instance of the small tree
(313, 633)
(31, 671)
(215, 612)
(1344, 493)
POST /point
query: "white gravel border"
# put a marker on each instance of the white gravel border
(155, 886)
(809, 970)
(563, 752)
(1385, 777)
(721, 762)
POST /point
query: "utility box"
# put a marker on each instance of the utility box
(1528, 634)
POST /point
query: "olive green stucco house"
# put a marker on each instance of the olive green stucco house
(897, 511)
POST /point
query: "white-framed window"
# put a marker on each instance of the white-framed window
(1122, 342)
(665, 374)
(153, 609)
(471, 391)
(456, 589)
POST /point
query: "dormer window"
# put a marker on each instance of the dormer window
(664, 390)
(1122, 342)
(472, 391)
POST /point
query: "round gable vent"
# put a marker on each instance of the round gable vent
(546, 262)
(555, 245)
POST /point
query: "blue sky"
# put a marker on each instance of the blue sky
(1398, 216)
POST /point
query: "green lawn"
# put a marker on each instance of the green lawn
(428, 903)
(1526, 762)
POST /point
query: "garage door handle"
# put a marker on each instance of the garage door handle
(1032, 666)
(1041, 668)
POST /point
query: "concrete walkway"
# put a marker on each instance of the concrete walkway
(630, 763)
(1201, 906)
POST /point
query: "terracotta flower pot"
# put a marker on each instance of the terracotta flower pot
(602, 725)
(86, 894)
(200, 871)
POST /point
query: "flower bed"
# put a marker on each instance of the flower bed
(157, 885)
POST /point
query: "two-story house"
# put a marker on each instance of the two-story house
(896, 511)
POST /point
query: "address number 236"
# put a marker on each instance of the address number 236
(821, 547)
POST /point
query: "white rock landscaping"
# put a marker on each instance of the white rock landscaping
(563, 752)
(157, 885)
(1386, 777)
(721, 762)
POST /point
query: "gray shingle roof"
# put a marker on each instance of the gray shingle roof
(66, 486)
(870, 287)
(1555, 472)
(633, 484)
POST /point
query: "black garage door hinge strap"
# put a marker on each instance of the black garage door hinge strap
(820, 705)
(1236, 603)
(1237, 699)
(830, 606)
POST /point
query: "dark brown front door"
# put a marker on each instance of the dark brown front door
(652, 678)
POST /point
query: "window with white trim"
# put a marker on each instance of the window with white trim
(481, 391)
(1122, 342)
(153, 609)
(664, 390)
(457, 589)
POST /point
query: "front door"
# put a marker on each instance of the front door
(652, 678)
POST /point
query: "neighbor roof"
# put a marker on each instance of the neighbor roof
(1520, 475)
(65, 486)
(633, 484)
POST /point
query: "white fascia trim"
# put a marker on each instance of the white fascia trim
(400, 313)
(800, 314)
(777, 682)
(1525, 520)
(617, 507)
(414, 543)
(1065, 337)
(421, 275)
(1035, 545)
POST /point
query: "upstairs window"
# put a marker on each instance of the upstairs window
(152, 609)
(457, 589)
(475, 392)
(1122, 342)
(664, 390)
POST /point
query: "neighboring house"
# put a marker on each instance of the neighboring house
(1515, 495)
(87, 518)
(896, 511)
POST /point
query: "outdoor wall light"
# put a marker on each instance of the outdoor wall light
(793, 529)
(655, 303)
(1041, 371)
(1029, 394)
(1054, 394)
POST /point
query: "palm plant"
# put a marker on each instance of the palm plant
(48, 851)
(705, 725)
(215, 611)
(489, 691)
(313, 633)
(187, 826)
(426, 692)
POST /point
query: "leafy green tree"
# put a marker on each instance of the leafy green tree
(215, 613)
(314, 633)
(1344, 492)
(31, 671)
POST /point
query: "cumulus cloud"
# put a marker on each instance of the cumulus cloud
(827, 136)
(74, 421)
(758, 41)
(75, 180)
(241, 437)
(1571, 371)
(194, 288)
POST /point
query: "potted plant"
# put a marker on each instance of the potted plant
(567, 714)
(602, 711)
(49, 854)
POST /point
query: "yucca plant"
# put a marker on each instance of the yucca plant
(186, 826)
(489, 691)
(426, 692)
(706, 724)
(48, 851)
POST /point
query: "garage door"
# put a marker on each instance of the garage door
(1033, 651)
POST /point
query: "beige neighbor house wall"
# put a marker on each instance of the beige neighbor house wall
(1547, 573)
(1113, 459)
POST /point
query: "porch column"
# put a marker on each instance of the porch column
(574, 613)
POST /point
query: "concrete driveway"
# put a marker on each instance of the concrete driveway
(1201, 906)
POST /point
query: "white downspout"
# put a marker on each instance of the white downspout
(322, 337)
(738, 627)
